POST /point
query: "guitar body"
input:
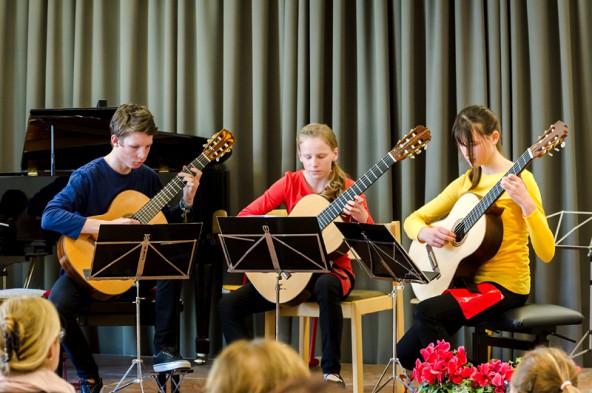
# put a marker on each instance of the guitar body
(290, 289)
(75, 255)
(462, 258)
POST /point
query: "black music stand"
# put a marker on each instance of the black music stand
(273, 244)
(143, 252)
(561, 242)
(384, 258)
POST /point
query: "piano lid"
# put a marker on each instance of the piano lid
(82, 134)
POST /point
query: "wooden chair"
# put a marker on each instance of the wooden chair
(359, 303)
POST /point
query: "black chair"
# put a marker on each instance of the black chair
(538, 321)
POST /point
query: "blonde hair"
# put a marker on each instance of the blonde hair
(28, 328)
(545, 370)
(255, 366)
(336, 183)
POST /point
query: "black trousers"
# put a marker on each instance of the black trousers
(235, 307)
(439, 317)
(70, 299)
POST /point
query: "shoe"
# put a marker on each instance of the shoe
(169, 359)
(91, 387)
(335, 378)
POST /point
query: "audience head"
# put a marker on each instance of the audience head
(545, 370)
(255, 366)
(29, 335)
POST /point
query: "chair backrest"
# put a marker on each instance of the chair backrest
(395, 227)
(278, 212)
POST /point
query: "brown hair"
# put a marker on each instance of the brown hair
(545, 370)
(336, 183)
(28, 328)
(130, 118)
(254, 366)
(481, 120)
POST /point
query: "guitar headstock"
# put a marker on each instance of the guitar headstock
(549, 140)
(218, 145)
(412, 143)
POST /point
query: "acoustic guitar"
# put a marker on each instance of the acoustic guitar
(327, 212)
(477, 225)
(75, 255)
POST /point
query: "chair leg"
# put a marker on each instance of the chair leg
(269, 325)
(480, 348)
(304, 338)
(357, 355)
(312, 361)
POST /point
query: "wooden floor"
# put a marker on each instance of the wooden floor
(114, 367)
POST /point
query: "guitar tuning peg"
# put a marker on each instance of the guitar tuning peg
(562, 144)
(550, 154)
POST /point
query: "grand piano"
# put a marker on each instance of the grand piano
(57, 142)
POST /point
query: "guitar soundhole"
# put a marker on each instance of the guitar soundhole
(461, 234)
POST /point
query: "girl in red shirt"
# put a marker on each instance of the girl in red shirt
(318, 152)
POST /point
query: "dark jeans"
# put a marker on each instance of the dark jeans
(70, 299)
(439, 317)
(245, 301)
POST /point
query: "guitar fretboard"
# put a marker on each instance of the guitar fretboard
(155, 205)
(361, 185)
(465, 225)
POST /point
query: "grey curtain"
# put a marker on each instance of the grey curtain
(372, 70)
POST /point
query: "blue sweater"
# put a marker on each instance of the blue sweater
(90, 191)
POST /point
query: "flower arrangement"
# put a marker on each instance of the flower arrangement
(446, 370)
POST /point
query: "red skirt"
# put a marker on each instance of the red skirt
(473, 303)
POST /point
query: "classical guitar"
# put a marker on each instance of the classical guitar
(327, 212)
(477, 225)
(75, 255)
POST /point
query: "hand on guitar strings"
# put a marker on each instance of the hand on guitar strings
(356, 209)
(436, 236)
(516, 189)
(191, 181)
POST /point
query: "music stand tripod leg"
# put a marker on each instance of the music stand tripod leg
(588, 333)
(137, 362)
(394, 361)
(278, 287)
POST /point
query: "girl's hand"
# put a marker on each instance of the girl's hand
(516, 189)
(356, 209)
(436, 236)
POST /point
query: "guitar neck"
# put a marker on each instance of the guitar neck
(489, 199)
(164, 196)
(361, 185)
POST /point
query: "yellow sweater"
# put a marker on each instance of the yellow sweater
(510, 266)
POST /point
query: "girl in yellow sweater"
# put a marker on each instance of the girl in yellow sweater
(503, 281)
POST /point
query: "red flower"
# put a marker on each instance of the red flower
(443, 368)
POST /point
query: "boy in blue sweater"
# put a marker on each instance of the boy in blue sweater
(89, 192)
